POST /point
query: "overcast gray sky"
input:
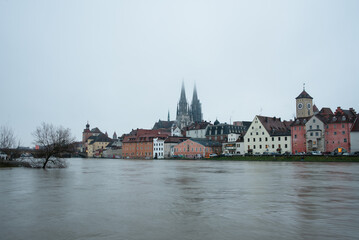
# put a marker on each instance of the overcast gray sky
(120, 64)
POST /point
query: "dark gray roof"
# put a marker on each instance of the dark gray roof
(304, 94)
(163, 124)
(206, 143)
(223, 129)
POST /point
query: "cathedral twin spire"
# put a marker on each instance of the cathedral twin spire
(185, 114)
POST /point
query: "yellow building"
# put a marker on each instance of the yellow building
(96, 145)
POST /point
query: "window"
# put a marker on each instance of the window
(254, 147)
(256, 133)
(285, 138)
(260, 126)
(317, 126)
(266, 139)
(311, 134)
(254, 139)
(260, 146)
(295, 128)
(310, 127)
(335, 133)
(342, 125)
(272, 138)
(285, 146)
(316, 134)
(335, 126)
(313, 120)
(343, 132)
(345, 140)
(273, 146)
(295, 135)
(299, 128)
(249, 139)
(260, 139)
(278, 138)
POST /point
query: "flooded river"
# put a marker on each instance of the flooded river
(154, 200)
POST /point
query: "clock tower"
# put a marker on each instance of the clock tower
(304, 105)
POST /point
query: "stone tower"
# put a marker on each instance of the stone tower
(196, 107)
(304, 105)
(183, 117)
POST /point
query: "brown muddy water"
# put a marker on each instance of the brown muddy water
(131, 199)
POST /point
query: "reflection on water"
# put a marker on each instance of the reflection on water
(125, 199)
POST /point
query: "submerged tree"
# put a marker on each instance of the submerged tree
(7, 141)
(53, 141)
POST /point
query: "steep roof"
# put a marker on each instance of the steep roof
(304, 94)
(95, 130)
(100, 138)
(274, 126)
(315, 108)
(163, 124)
(355, 127)
(145, 135)
(300, 121)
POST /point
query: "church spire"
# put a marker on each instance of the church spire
(195, 97)
(168, 117)
(196, 108)
(183, 93)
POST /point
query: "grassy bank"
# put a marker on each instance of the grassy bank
(291, 158)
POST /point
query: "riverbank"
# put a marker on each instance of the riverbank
(290, 158)
(13, 163)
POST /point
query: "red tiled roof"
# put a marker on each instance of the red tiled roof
(275, 127)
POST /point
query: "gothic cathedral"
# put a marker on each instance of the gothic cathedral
(187, 115)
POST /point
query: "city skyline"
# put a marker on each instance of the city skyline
(120, 65)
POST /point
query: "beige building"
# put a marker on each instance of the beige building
(97, 144)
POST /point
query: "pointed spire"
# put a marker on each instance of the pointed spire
(168, 117)
(195, 97)
(303, 86)
(183, 93)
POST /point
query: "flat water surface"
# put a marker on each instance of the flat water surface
(133, 199)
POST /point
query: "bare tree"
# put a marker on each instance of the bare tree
(53, 141)
(7, 141)
(7, 138)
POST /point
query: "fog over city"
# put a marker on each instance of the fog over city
(120, 64)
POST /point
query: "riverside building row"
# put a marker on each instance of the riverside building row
(189, 136)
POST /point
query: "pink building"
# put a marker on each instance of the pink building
(193, 148)
(298, 135)
(337, 130)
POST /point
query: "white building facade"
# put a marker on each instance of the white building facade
(158, 148)
(267, 135)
